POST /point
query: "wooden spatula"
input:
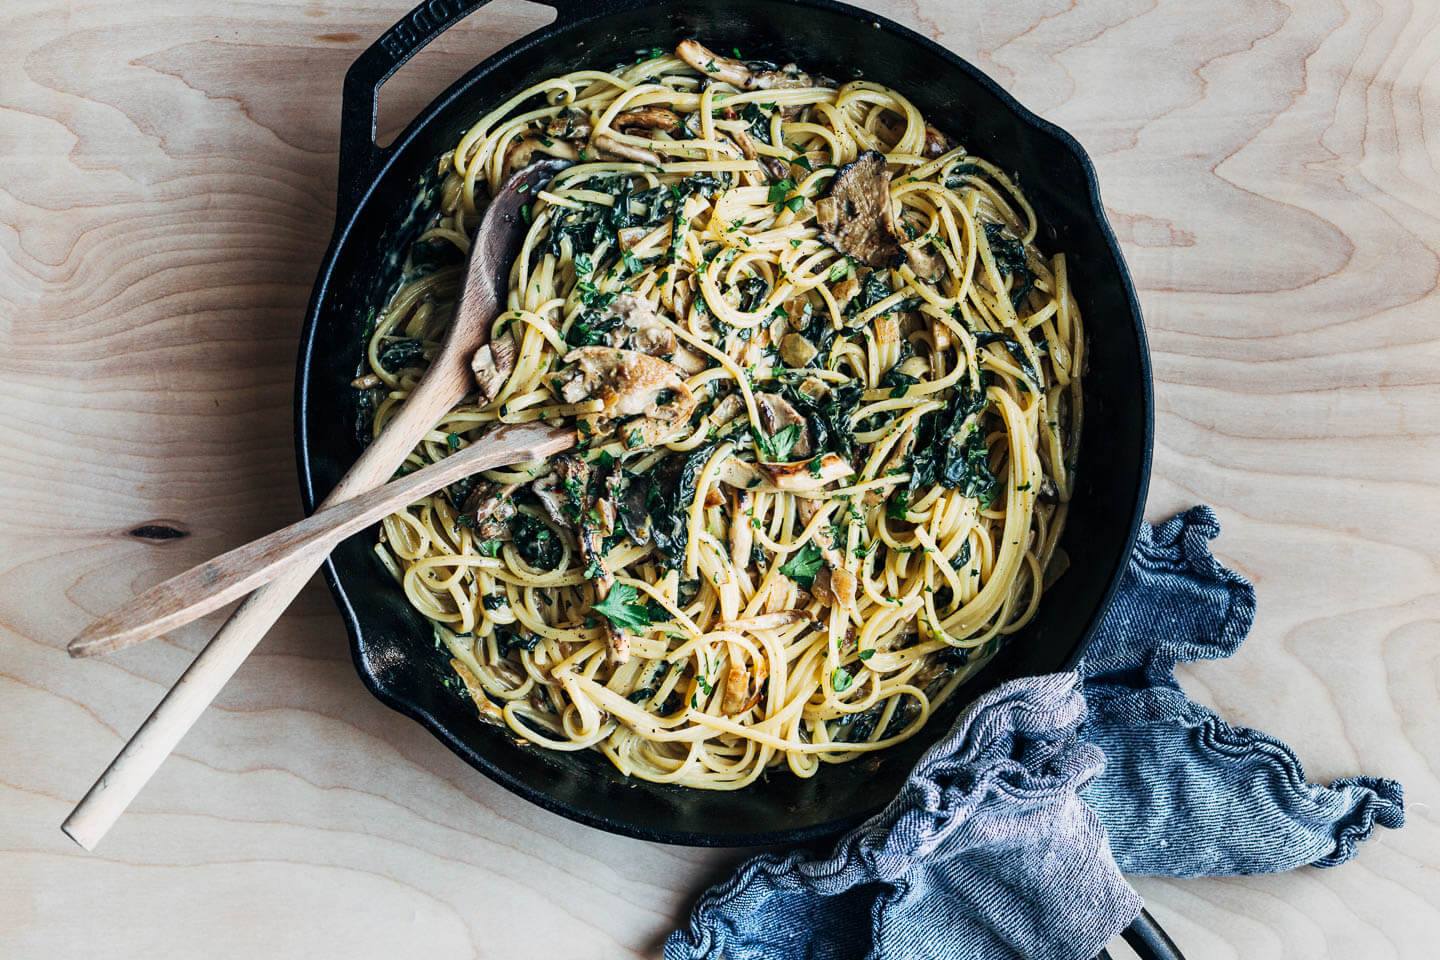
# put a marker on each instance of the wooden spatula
(448, 379)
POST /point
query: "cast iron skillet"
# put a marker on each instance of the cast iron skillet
(392, 644)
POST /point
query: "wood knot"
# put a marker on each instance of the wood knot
(158, 530)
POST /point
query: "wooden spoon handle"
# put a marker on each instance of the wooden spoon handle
(440, 389)
(231, 575)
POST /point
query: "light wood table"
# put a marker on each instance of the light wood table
(166, 182)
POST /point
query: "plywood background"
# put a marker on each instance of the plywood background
(166, 180)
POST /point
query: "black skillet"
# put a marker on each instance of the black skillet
(382, 190)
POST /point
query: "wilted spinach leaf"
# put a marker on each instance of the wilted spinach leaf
(670, 494)
(537, 543)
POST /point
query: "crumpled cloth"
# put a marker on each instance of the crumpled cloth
(1010, 836)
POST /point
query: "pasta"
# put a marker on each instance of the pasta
(828, 391)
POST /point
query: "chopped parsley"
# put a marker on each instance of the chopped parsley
(803, 565)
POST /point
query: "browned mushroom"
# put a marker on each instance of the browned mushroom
(580, 503)
(845, 291)
(547, 491)
(927, 265)
(936, 143)
(739, 73)
(493, 363)
(767, 621)
(742, 691)
(777, 414)
(640, 327)
(487, 508)
(737, 683)
(805, 475)
(855, 215)
(728, 408)
(651, 118)
(627, 383)
(775, 167)
(690, 361)
(522, 151)
(611, 148)
(835, 583)
(796, 351)
(569, 124)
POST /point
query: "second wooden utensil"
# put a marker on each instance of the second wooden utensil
(214, 583)
(448, 379)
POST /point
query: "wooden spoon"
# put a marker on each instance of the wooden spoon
(210, 585)
(448, 379)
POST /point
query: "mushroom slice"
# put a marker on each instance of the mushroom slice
(690, 361)
(936, 143)
(630, 498)
(493, 363)
(774, 167)
(627, 383)
(737, 683)
(728, 408)
(574, 479)
(805, 475)
(651, 118)
(645, 432)
(487, 508)
(855, 215)
(777, 414)
(607, 144)
(788, 477)
(641, 329)
(569, 124)
(766, 621)
(752, 75)
(520, 153)
(796, 351)
(547, 491)
(941, 333)
(927, 265)
(835, 584)
(845, 291)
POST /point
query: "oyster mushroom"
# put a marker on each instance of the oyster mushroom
(936, 143)
(640, 327)
(650, 118)
(608, 145)
(835, 583)
(569, 124)
(855, 216)
(745, 75)
(627, 383)
(522, 152)
(493, 363)
(777, 414)
(488, 507)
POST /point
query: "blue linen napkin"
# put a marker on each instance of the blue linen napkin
(992, 851)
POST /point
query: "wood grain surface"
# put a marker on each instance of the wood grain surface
(1273, 173)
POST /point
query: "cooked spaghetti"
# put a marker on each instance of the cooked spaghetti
(828, 394)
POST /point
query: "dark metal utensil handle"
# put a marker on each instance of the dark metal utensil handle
(1148, 940)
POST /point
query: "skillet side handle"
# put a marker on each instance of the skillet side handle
(360, 158)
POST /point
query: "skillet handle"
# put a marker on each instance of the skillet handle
(1148, 940)
(360, 158)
